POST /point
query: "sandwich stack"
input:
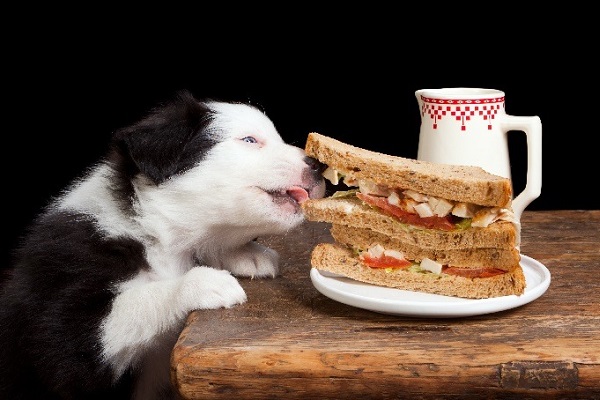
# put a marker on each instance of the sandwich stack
(416, 225)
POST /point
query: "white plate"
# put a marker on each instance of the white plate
(415, 304)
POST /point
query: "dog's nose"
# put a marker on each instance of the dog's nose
(315, 165)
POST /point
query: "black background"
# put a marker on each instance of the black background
(66, 92)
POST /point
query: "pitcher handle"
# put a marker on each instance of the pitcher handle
(532, 126)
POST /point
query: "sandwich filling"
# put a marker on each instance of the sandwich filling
(379, 257)
(419, 209)
(425, 211)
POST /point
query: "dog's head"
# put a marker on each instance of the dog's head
(214, 164)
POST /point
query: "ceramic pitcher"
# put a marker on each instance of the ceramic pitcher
(469, 126)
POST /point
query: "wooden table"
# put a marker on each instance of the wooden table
(291, 342)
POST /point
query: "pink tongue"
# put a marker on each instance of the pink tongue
(298, 194)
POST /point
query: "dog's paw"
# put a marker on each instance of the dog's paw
(207, 288)
(252, 260)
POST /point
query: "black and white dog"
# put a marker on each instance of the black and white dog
(109, 271)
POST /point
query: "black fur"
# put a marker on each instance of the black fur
(58, 291)
(46, 305)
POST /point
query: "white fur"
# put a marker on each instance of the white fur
(211, 213)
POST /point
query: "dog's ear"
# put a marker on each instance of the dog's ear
(170, 140)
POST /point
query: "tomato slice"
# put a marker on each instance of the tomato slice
(383, 261)
(473, 272)
(442, 223)
(393, 262)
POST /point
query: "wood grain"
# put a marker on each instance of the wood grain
(289, 341)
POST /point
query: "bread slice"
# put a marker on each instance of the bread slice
(468, 184)
(341, 260)
(353, 212)
(504, 258)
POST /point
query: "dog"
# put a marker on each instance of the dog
(164, 224)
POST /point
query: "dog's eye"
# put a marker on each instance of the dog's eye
(250, 139)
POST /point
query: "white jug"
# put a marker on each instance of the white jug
(469, 126)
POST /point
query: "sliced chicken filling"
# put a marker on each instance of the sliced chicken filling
(379, 257)
(425, 206)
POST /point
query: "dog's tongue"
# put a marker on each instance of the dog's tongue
(297, 193)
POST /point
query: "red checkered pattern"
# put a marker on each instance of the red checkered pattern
(462, 110)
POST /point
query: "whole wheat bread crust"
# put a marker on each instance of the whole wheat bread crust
(337, 259)
(504, 258)
(459, 183)
(351, 211)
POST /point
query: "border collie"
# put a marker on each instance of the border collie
(161, 226)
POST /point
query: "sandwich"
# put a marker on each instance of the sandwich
(415, 225)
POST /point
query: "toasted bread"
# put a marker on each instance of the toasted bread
(502, 257)
(461, 256)
(352, 212)
(468, 184)
(341, 260)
